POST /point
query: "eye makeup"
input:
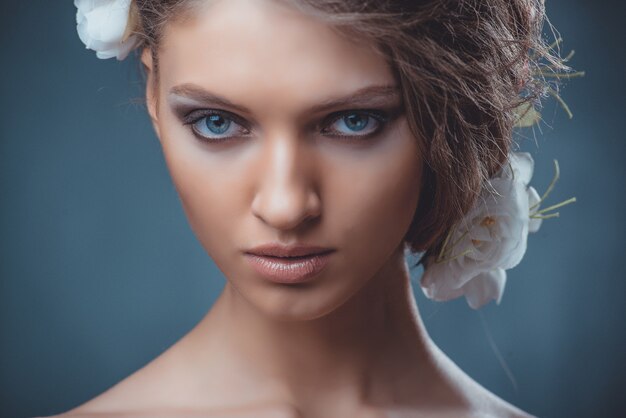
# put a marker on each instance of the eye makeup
(215, 118)
(212, 119)
(348, 125)
(381, 118)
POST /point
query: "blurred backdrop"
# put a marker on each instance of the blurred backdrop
(100, 273)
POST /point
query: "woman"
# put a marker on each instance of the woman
(311, 143)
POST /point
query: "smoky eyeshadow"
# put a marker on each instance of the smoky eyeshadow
(189, 111)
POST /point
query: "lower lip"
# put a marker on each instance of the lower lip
(288, 270)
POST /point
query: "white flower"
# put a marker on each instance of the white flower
(101, 25)
(490, 239)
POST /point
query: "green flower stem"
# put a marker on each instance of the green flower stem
(558, 205)
(557, 174)
(561, 75)
(455, 257)
(463, 235)
(555, 43)
(552, 215)
(569, 56)
(442, 252)
(558, 98)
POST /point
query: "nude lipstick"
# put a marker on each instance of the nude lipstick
(288, 264)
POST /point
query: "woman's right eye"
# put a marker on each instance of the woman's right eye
(215, 126)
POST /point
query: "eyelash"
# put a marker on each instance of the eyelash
(381, 118)
(199, 115)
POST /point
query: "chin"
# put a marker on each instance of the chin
(298, 302)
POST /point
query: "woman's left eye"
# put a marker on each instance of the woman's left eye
(356, 124)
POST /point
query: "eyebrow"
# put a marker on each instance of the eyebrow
(365, 95)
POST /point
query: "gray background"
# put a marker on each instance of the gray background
(99, 271)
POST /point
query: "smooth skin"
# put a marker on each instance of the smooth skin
(351, 342)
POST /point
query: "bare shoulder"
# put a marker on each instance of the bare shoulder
(499, 408)
(163, 388)
(498, 411)
(250, 411)
(474, 400)
(137, 392)
(485, 403)
(449, 413)
(158, 391)
(482, 403)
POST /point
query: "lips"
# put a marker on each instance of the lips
(298, 250)
(289, 264)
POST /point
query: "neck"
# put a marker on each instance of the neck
(352, 352)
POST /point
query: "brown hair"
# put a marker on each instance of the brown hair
(463, 66)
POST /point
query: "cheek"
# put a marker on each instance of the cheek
(206, 185)
(372, 200)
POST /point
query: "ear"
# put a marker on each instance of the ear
(151, 89)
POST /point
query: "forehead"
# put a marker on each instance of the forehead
(265, 52)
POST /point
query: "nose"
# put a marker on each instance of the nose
(286, 194)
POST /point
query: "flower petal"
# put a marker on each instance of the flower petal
(439, 283)
(523, 166)
(485, 287)
(101, 25)
(107, 24)
(533, 199)
(491, 238)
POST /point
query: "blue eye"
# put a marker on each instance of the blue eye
(217, 126)
(356, 124)
(212, 125)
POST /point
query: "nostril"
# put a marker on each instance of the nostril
(286, 198)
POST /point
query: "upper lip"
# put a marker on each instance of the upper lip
(296, 250)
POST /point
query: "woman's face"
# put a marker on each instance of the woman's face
(276, 129)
